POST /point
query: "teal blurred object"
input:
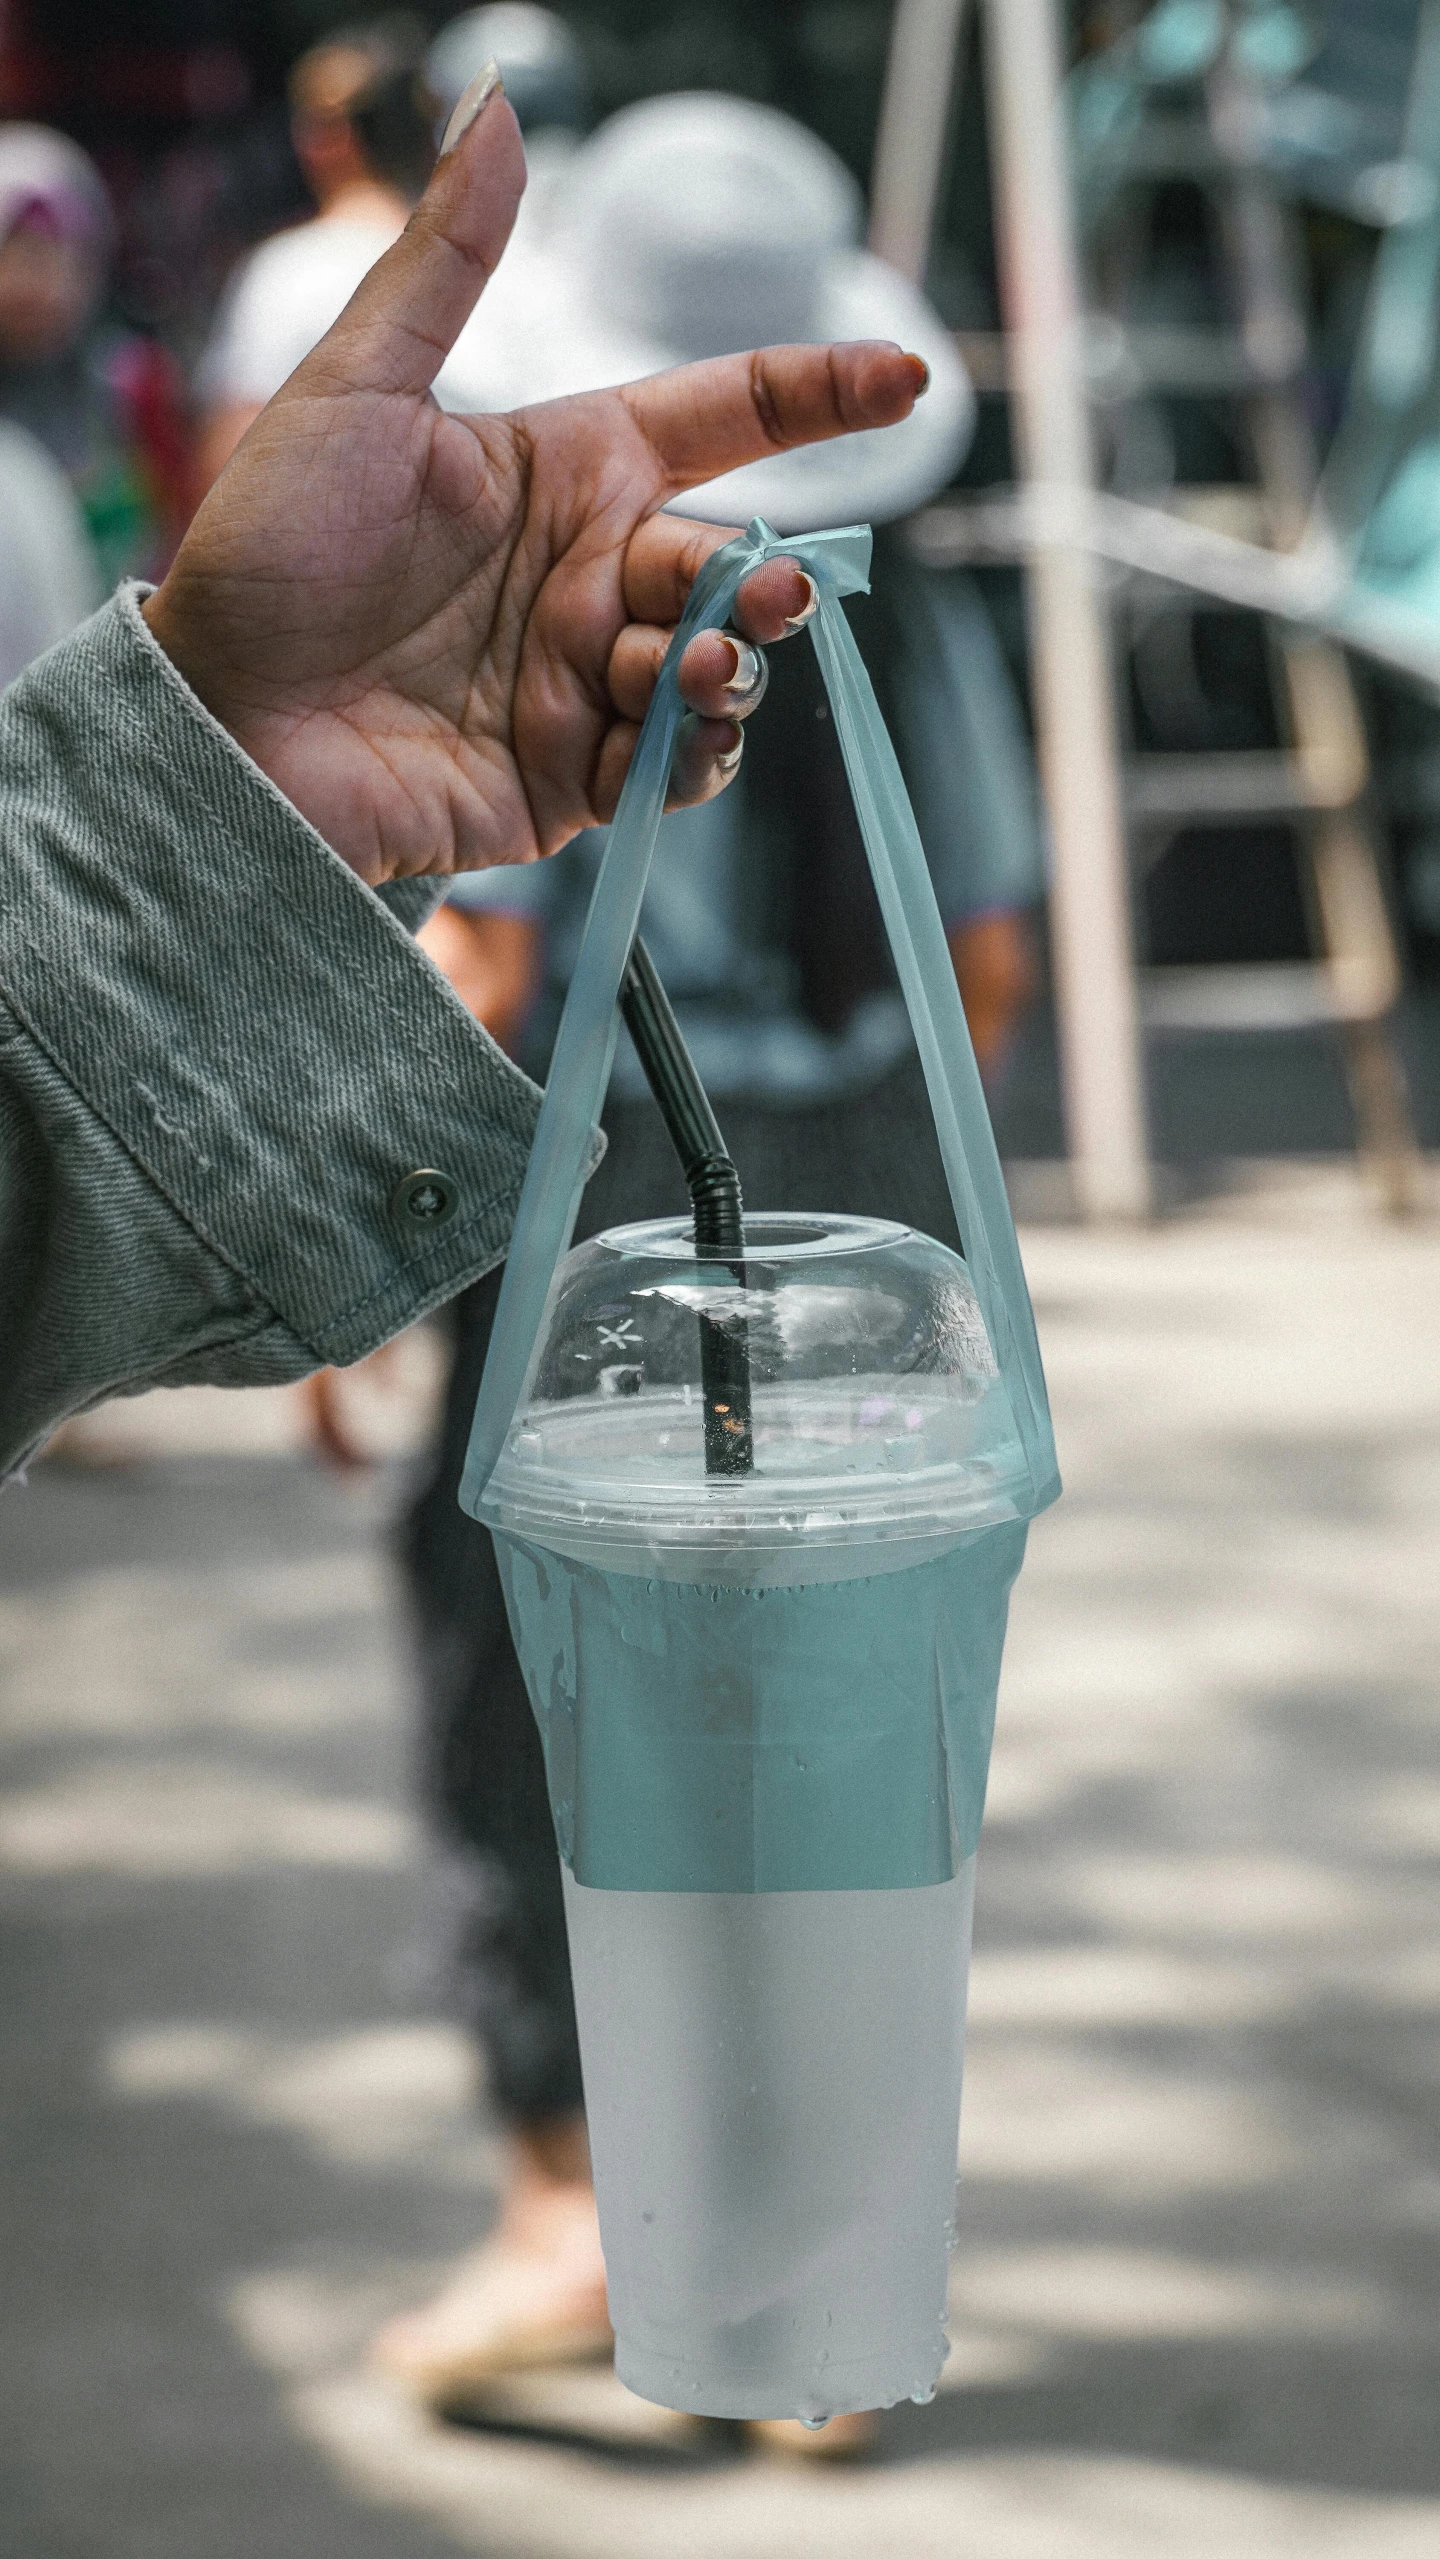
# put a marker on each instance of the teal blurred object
(1378, 506)
(1367, 571)
(1180, 40)
(1328, 81)
(1380, 495)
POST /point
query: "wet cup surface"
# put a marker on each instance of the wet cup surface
(766, 1702)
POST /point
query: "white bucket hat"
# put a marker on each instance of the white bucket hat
(692, 226)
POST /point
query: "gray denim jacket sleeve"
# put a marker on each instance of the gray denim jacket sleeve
(221, 1058)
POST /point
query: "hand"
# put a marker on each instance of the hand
(438, 635)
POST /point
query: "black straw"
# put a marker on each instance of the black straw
(714, 1187)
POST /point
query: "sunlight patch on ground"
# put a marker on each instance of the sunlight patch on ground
(132, 1652)
(388, 2096)
(169, 1818)
(1127, 2292)
(1038, 2111)
(507, 2497)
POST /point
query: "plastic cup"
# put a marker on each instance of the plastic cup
(777, 2193)
(766, 1705)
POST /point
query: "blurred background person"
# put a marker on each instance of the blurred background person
(490, 957)
(49, 576)
(362, 123)
(690, 226)
(106, 403)
(546, 81)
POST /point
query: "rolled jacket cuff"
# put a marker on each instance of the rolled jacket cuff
(253, 1024)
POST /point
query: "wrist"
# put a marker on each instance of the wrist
(157, 612)
(179, 639)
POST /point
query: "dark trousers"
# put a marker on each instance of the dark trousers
(872, 1154)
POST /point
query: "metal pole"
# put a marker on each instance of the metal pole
(1100, 1052)
(909, 161)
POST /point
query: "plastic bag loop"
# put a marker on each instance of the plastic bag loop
(839, 563)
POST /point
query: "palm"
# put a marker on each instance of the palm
(436, 634)
(376, 635)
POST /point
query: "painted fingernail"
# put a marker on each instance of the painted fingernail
(749, 678)
(797, 621)
(469, 103)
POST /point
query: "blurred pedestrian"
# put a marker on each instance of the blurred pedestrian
(106, 403)
(490, 958)
(363, 125)
(49, 577)
(540, 61)
(689, 226)
(547, 83)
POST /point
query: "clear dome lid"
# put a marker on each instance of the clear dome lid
(881, 1430)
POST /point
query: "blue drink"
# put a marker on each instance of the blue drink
(766, 1704)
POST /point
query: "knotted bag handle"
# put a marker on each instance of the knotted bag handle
(839, 563)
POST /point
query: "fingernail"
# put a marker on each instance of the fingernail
(747, 678)
(797, 621)
(924, 386)
(727, 762)
(469, 103)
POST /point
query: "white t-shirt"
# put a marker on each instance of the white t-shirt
(49, 575)
(281, 302)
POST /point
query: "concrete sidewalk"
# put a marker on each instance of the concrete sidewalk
(1197, 2295)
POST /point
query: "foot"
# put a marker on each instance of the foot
(533, 2294)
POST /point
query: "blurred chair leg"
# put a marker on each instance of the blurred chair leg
(1381, 1099)
(1351, 916)
(1091, 925)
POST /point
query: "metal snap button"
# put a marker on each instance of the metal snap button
(424, 1200)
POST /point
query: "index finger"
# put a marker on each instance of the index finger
(666, 554)
(705, 419)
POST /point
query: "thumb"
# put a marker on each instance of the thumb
(397, 329)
